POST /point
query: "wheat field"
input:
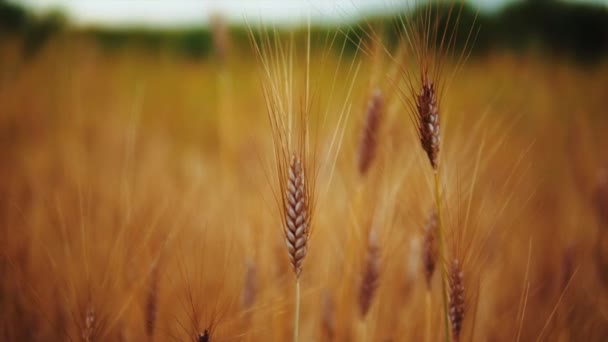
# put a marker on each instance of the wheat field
(140, 200)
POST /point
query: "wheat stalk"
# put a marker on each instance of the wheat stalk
(431, 43)
(295, 155)
(291, 145)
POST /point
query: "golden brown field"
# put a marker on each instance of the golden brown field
(138, 200)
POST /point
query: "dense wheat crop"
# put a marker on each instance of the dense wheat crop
(140, 199)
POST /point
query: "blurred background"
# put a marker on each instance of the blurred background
(567, 28)
(134, 137)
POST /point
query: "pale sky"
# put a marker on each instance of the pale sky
(169, 13)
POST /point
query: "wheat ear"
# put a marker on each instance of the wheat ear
(371, 274)
(428, 120)
(204, 336)
(296, 215)
(429, 248)
(369, 134)
(151, 310)
(88, 330)
(442, 254)
(456, 299)
(250, 286)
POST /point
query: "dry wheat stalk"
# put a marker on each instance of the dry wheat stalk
(369, 136)
(291, 144)
(422, 95)
(371, 274)
(456, 299)
(294, 151)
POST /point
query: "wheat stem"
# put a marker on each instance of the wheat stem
(442, 256)
(296, 326)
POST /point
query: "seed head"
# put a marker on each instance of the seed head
(371, 274)
(428, 120)
(429, 248)
(88, 331)
(296, 215)
(203, 337)
(250, 286)
(369, 136)
(456, 299)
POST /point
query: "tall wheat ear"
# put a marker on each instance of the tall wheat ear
(371, 273)
(299, 158)
(368, 144)
(429, 36)
(371, 45)
(463, 265)
(378, 98)
(429, 260)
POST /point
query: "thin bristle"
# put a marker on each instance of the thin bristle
(296, 215)
(428, 120)
(430, 248)
(456, 299)
(369, 136)
(371, 275)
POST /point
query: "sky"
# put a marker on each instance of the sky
(175, 13)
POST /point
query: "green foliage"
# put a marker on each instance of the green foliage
(34, 30)
(577, 30)
(13, 18)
